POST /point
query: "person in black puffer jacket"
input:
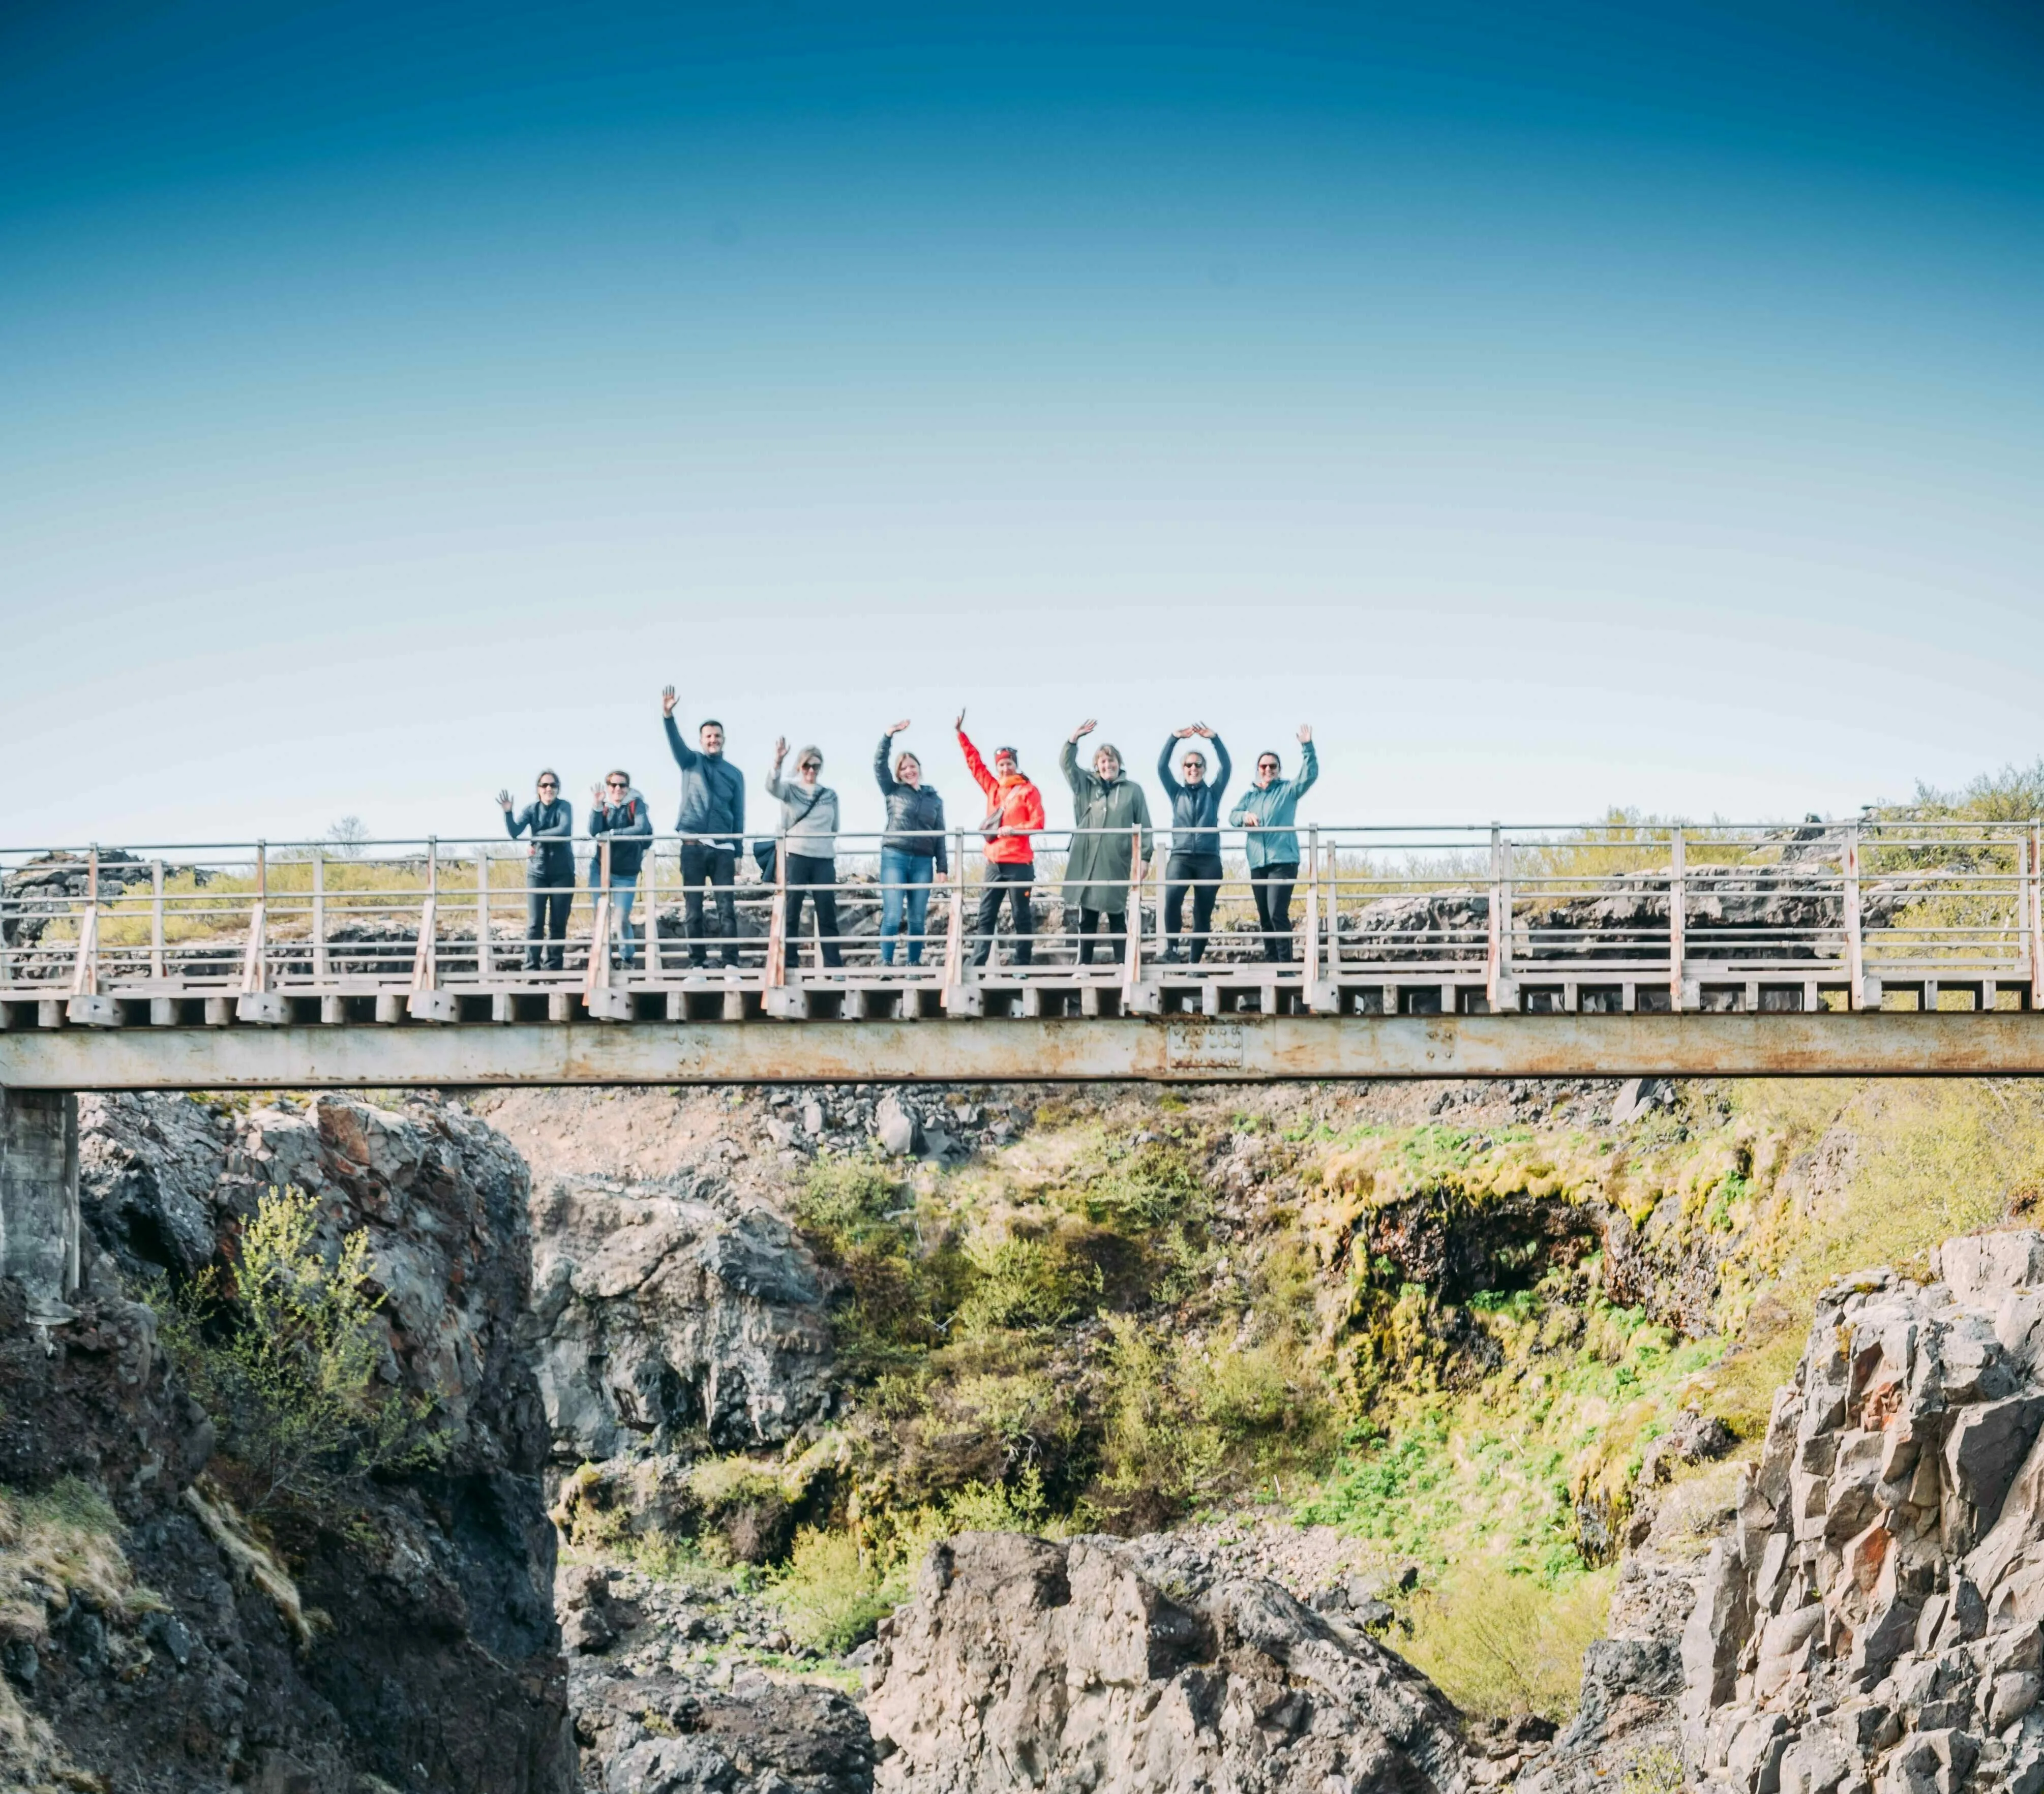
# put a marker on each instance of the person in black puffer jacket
(1195, 861)
(912, 851)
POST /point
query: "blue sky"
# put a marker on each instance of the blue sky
(1558, 407)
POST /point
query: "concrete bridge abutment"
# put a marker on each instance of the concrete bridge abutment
(39, 1218)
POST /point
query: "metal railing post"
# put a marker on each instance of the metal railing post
(1131, 946)
(597, 975)
(1855, 949)
(322, 969)
(1678, 909)
(1312, 954)
(649, 904)
(255, 959)
(483, 968)
(1494, 929)
(777, 918)
(156, 919)
(425, 958)
(85, 968)
(954, 924)
(2035, 847)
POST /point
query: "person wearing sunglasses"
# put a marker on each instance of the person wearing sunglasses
(1195, 862)
(1267, 810)
(1108, 807)
(618, 810)
(809, 833)
(551, 876)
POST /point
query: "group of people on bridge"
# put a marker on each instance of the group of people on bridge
(1112, 845)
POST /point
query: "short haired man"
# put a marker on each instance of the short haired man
(619, 813)
(550, 875)
(712, 825)
(1195, 862)
(1267, 810)
(1014, 818)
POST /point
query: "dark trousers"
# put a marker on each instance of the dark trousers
(701, 865)
(1199, 873)
(1272, 886)
(1111, 925)
(547, 916)
(1012, 881)
(809, 876)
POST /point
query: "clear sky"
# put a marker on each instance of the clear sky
(1559, 406)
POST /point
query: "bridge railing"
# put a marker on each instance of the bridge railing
(1613, 915)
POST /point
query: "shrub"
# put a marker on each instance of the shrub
(1500, 1644)
(830, 1594)
(284, 1358)
(846, 1196)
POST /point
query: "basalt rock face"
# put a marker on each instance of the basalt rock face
(663, 1314)
(1871, 1621)
(1134, 1668)
(428, 1658)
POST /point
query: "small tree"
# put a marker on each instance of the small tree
(347, 835)
(284, 1356)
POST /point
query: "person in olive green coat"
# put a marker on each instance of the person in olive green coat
(1097, 874)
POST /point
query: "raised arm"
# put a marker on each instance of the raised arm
(1309, 769)
(974, 765)
(686, 757)
(1223, 767)
(1171, 785)
(515, 821)
(883, 775)
(1075, 775)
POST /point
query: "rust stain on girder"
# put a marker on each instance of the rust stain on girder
(1245, 1048)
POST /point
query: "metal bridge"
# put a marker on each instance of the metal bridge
(1858, 948)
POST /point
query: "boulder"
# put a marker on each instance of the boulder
(1070, 1663)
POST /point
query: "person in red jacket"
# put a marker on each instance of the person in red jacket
(1015, 811)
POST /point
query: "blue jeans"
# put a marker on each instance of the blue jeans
(904, 883)
(624, 893)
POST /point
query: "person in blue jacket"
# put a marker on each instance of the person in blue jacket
(550, 883)
(1268, 809)
(1195, 862)
(712, 825)
(620, 812)
(912, 851)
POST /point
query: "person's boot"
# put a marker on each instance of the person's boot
(1171, 956)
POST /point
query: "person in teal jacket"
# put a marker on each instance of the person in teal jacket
(1268, 809)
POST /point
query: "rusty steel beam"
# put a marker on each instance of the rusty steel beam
(1195, 1049)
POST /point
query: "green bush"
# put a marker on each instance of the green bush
(830, 1594)
(284, 1356)
(1500, 1644)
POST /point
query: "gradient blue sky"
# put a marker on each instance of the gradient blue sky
(1558, 406)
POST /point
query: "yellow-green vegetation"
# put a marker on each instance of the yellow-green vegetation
(1061, 1314)
(284, 1354)
(63, 1541)
(836, 1586)
(1504, 1644)
(57, 1544)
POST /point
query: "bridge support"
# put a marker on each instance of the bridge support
(38, 1223)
